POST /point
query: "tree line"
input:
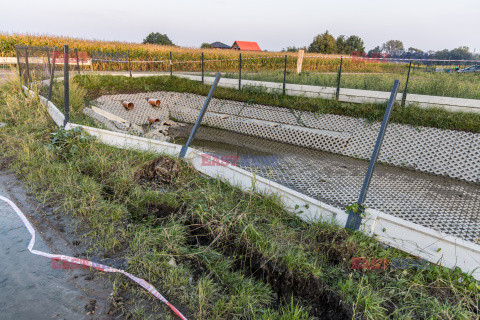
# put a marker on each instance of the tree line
(354, 45)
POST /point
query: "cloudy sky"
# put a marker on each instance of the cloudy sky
(274, 24)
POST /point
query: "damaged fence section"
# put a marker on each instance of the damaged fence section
(426, 243)
(341, 135)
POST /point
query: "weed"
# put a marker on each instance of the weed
(213, 250)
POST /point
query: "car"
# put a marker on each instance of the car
(471, 69)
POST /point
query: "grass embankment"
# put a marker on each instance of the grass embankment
(416, 116)
(436, 84)
(214, 251)
(182, 56)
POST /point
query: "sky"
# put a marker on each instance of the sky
(274, 24)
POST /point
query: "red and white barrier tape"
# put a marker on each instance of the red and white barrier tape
(389, 59)
(305, 57)
(147, 286)
(190, 61)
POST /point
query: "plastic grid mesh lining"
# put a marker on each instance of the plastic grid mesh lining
(446, 205)
(443, 152)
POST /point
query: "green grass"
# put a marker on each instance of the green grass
(204, 243)
(435, 84)
(96, 86)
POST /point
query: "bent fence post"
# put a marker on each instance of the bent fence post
(184, 149)
(355, 218)
(339, 78)
(66, 85)
(47, 55)
(78, 63)
(19, 66)
(404, 96)
(27, 70)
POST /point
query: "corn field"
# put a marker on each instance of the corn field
(148, 57)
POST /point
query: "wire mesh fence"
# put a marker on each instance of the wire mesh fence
(448, 78)
(441, 203)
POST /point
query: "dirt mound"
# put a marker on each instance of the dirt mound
(162, 170)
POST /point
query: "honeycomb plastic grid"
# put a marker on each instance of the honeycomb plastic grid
(443, 152)
(446, 205)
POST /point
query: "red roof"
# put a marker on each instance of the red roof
(247, 45)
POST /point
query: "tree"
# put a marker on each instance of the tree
(393, 47)
(414, 50)
(461, 53)
(355, 43)
(323, 43)
(206, 46)
(291, 49)
(375, 52)
(342, 46)
(158, 38)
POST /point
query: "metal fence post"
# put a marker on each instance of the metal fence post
(355, 218)
(404, 96)
(285, 75)
(171, 64)
(203, 70)
(52, 73)
(66, 85)
(27, 70)
(129, 64)
(240, 72)
(184, 149)
(78, 63)
(339, 78)
(17, 52)
(49, 66)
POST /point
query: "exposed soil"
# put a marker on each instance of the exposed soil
(325, 303)
(159, 170)
(333, 245)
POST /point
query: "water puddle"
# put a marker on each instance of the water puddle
(29, 287)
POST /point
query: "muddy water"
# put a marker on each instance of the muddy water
(29, 287)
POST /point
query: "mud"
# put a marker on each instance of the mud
(30, 287)
(324, 303)
(160, 170)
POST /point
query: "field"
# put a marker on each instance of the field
(183, 57)
(214, 251)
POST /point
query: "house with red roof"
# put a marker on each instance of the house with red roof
(246, 46)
